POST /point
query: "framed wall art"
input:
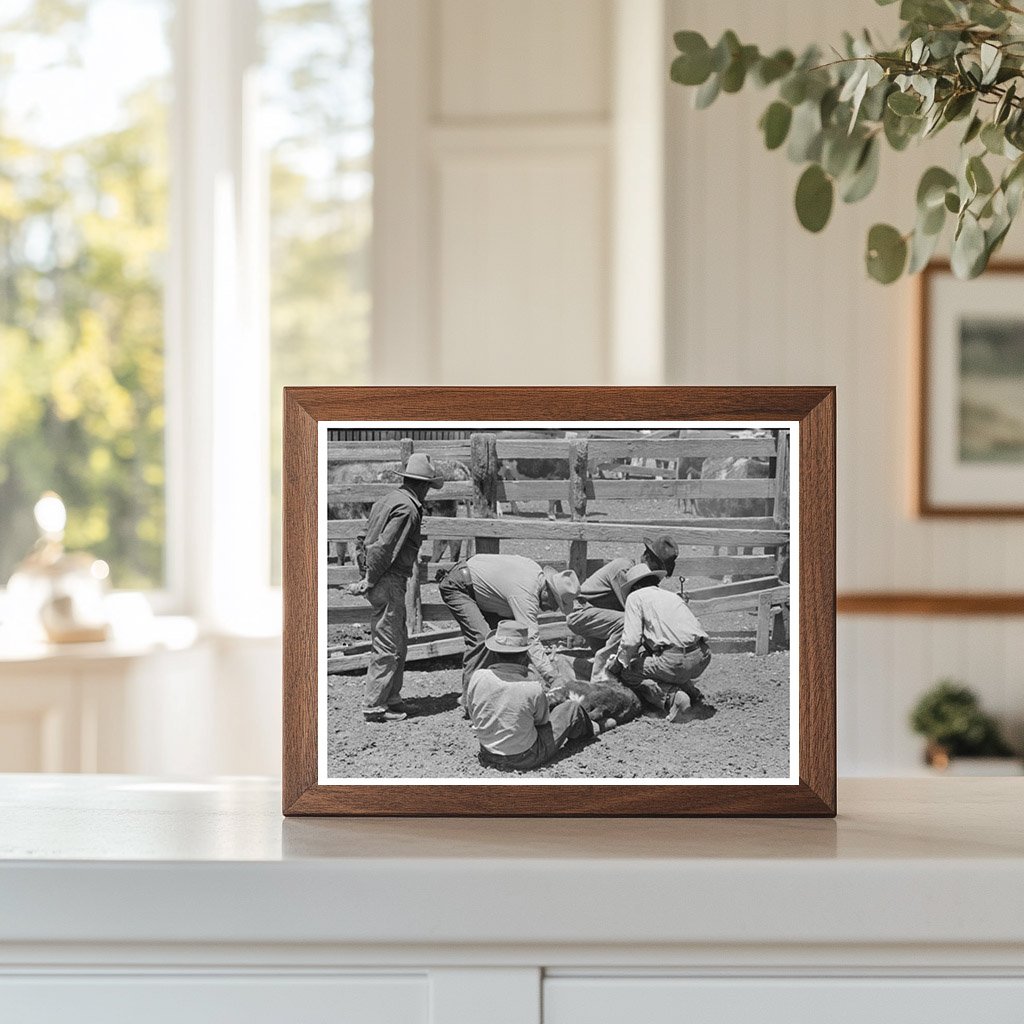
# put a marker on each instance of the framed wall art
(559, 601)
(970, 445)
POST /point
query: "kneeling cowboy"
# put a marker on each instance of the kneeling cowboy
(509, 708)
(663, 648)
(598, 614)
(488, 588)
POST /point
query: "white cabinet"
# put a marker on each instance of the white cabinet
(130, 899)
(202, 999)
(829, 1000)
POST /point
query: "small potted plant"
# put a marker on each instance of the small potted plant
(950, 717)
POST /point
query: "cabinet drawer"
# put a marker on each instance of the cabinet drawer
(202, 999)
(660, 1000)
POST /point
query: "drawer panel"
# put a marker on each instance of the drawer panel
(202, 999)
(662, 1000)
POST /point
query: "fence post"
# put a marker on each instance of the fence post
(781, 505)
(414, 597)
(483, 459)
(579, 474)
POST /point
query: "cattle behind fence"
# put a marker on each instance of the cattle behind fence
(484, 454)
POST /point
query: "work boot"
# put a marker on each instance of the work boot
(677, 706)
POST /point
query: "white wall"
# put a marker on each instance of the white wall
(754, 299)
(500, 155)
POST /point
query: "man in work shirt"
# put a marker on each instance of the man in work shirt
(488, 588)
(392, 546)
(663, 647)
(509, 708)
(598, 614)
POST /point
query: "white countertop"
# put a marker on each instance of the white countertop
(122, 859)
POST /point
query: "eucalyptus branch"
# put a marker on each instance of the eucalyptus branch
(833, 117)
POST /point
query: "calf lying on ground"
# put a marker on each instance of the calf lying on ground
(607, 704)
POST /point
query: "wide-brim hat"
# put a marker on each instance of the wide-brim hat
(637, 575)
(510, 637)
(420, 467)
(565, 585)
(664, 548)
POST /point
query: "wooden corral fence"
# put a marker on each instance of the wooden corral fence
(731, 540)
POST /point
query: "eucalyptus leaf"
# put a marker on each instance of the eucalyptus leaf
(973, 129)
(904, 103)
(865, 173)
(952, 202)
(735, 74)
(978, 176)
(932, 220)
(814, 195)
(805, 133)
(794, 88)
(886, 253)
(922, 248)
(771, 69)
(775, 124)
(931, 190)
(987, 15)
(692, 67)
(993, 138)
(958, 105)
(1005, 104)
(991, 60)
(725, 49)
(840, 152)
(707, 93)
(968, 247)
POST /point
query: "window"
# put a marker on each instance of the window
(83, 237)
(238, 215)
(317, 117)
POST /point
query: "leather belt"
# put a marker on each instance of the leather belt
(693, 645)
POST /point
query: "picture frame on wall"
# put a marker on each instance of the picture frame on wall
(970, 422)
(559, 601)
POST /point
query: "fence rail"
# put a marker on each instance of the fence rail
(599, 449)
(556, 490)
(484, 454)
(457, 528)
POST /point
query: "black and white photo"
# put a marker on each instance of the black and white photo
(529, 602)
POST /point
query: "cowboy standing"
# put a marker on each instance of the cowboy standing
(392, 548)
(485, 589)
(663, 647)
(509, 708)
(599, 613)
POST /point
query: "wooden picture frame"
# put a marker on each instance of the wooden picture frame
(810, 790)
(941, 489)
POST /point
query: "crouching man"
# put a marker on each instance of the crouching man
(663, 647)
(598, 614)
(485, 589)
(509, 708)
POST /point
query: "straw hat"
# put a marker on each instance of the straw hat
(510, 637)
(564, 585)
(636, 576)
(420, 467)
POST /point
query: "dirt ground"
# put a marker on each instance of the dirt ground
(746, 737)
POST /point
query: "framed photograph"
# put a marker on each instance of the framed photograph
(970, 451)
(559, 601)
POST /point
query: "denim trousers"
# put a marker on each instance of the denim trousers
(655, 677)
(602, 628)
(389, 640)
(456, 591)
